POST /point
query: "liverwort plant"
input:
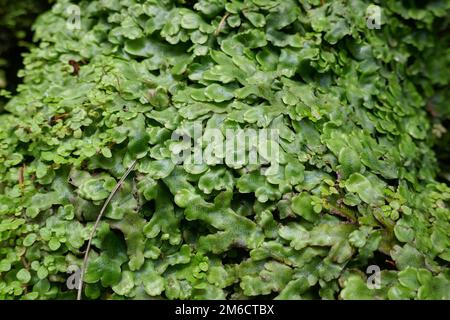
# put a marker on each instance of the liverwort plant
(236, 148)
(280, 149)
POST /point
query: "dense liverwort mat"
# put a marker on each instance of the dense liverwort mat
(355, 101)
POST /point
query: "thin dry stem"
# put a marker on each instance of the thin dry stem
(97, 222)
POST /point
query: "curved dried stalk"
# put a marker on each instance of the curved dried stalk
(97, 222)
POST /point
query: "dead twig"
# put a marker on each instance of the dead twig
(75, 66)
(22, 175)
(347, 218)
(97, 222)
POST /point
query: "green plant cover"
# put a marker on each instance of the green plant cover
(355, 181)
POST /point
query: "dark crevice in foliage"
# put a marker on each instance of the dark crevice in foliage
(16, 19)
(442, 151)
